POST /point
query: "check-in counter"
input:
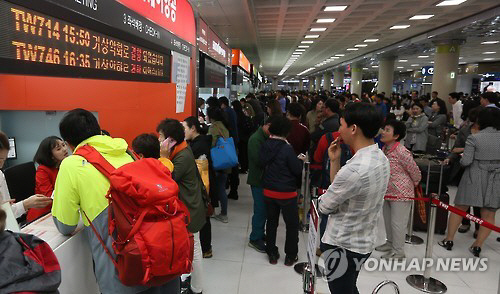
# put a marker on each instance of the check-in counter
(73, 253)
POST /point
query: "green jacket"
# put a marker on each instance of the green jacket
(189, 188)
(254, 170)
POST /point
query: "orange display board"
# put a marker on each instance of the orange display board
(241, 60)
(126, 108)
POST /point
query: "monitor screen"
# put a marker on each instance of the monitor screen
(12, 151)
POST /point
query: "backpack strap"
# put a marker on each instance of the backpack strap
(96, 159)
(329, 138)
(100, 240)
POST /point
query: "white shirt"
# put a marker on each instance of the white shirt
(457, 113)
(398, 112)
(354, 201)
(17, 208)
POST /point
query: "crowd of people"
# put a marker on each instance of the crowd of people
(360, 150)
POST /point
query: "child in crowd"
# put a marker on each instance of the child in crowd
(405, 175)
(282, 169)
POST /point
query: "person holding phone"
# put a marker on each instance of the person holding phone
(21, 207)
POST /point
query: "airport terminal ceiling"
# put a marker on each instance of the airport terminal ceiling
(287, 37)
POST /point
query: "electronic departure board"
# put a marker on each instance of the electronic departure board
(35, 43)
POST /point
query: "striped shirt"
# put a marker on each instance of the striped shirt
(353, 201)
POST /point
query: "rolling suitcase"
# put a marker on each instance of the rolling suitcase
(422, 208)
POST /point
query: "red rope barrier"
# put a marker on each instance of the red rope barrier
(452, 209)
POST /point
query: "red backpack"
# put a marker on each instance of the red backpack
(147, 221)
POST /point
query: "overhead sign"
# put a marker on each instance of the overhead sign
(427, 70)
(138, 18)
(240, 60)
(217, 49)
(202, 37)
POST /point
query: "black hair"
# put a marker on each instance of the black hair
(441, 104)
(381, 96)
(4, 141)
(275, 107)
(418, 104)
(399, 128)
(147, 145)
(238, 108)
(333, 105)
(365, 116)
(296, 110)
(105, 133)
(213, 102)
(355, 95)
(282, 92)
(474, 113)
(78, 125)
(44, 155)
(489, 117)
(217, 114)
(3, 217)
(250, 95)
(280, 126)
(315, 103)
(454, 95)
(398, 103)
(200, 102)
(194, 122)
(390, 116)
(171, 128)
(224, 101)
(491, 97)
(468, 105)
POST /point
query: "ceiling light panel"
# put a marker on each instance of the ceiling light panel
(311, 36)
(335, 8)
(370, 40)
(339, 55)
(325, 20)
(360, 45)
(352, 49)
(307, 42)
(489, 52)
(421, 16)
(303, 46)
(399, 27)
(317, 29)
(490, 42)
(451, 2)
(423, 56)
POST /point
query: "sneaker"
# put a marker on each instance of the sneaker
(189, 291)
(392, 255)
(185, 285)
(464, 228)
(384, 248)
(273, 258)
(221, 218)
(258, 245)
(208, 254)
(289, 261)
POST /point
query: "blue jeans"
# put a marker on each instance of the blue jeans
(220, 189)
(259, 214)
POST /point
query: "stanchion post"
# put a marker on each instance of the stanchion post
(425, 282)
(307, 196)
(410, 238)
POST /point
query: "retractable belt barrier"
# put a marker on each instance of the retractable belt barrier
(452, 209)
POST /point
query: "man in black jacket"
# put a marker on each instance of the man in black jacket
(329, 125)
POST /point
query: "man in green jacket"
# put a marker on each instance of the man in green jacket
(255, 181)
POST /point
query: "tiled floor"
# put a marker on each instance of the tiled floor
(238, 269)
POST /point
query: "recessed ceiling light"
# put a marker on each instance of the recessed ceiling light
(451, 2)
(360, 45)
(414, 65)
(489, 52)
(370, 40)
(423, 56)
(365, 68)
(460, 57)
(488, 58)
(340, 55)
(352, 49)
(317, 29)
(325, 20)
(421, 16)
(335, 57)
(300, 50)
(296, 53)
(489, 42)
(311, 36)
(375, 66)
(399, 27)
(432, 62)
(400, 67)
(402, 60)
(335, 8)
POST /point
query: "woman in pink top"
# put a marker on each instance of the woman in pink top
(405, 175)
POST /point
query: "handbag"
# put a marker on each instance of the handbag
(203, 171)
(224, 154)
